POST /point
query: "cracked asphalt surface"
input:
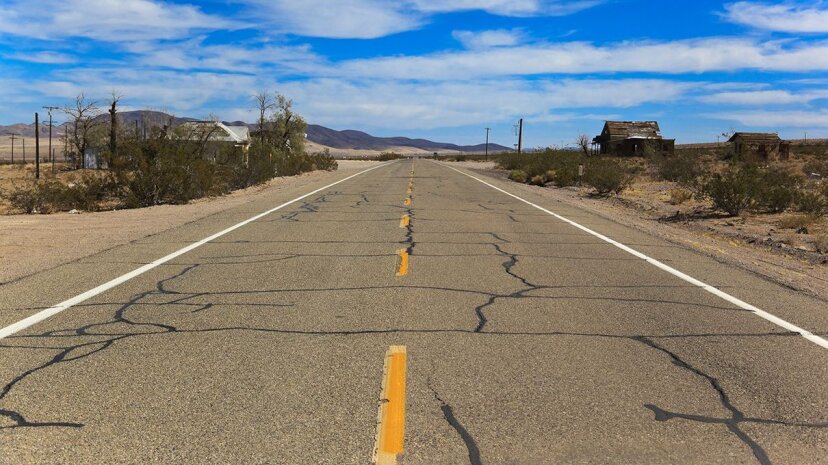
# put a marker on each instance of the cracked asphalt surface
(528, 340)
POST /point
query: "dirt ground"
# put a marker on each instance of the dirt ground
(31, 243)
(768, 245)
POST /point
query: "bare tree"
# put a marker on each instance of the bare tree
(583, 143)
(265, 104)
(82, 115)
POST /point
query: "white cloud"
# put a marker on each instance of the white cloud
(370, 19)
(357, 19)
(427, 105)
(508, 7)
(765, 97)
(778, 119)
(53, 58)
(107, 20)
(253, 59)
(785, 17)
(676, 57)
(488, 39)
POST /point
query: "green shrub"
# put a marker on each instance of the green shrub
(324, 161)
(606, 176)
(812, 203)
(734, 190)
(683, 169)
(819, 167)
(27, 199)
(777, 191)
(388, 156)
(518, 176)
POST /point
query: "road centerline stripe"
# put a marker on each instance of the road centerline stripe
(402, 263)
(405, 221)
(66, 304)
(822, 342)
(390, 441)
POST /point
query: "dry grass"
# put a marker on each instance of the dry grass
(797, 221)
(679, 196)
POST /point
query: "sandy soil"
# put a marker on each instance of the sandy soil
(32, 243)
(755, 243)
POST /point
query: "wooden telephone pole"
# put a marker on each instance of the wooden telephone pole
(13, 135)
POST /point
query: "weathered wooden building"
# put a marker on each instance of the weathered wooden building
(632, 138)
(765, 145)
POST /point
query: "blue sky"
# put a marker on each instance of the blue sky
(442, 70)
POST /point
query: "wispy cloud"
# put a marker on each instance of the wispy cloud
(810, 17)
(765, 97)
(674, 57)
(54, 58)
(370, 19)
(488, 39)
(777, 119)
(106, 20)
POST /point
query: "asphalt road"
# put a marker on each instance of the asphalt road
(529, 340)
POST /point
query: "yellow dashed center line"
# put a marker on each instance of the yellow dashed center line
(402, 265)
(391, 415)
(405, 221)
(407, 201)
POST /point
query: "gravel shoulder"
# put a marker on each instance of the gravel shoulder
(800, 272)
(33, 243)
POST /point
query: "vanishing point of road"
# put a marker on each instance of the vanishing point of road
(474, 322)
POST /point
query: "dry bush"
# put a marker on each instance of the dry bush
(538, 180)
(821, 243)
(518, 176)
(679, 196)
(796, 221)
(606, 176)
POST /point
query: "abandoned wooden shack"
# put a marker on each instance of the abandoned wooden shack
(632, 138)
(766, 145)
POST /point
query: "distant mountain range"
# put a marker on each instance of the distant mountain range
(326, 137)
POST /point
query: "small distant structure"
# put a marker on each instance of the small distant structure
(216, 131)
(632, 138)
(766, 145)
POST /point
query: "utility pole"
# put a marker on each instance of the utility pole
(487, 143)
(520, 136)
(51, 153)
(37, 146)
(13, 135)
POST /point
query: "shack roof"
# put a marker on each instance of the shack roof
(632, 130)
(768, 137)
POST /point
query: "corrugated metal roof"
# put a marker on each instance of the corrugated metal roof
(220, 131)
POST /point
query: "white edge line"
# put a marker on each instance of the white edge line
(54, 310)
(717, 292)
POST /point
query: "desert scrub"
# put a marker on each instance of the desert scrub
(679, 196)
(796, 221)
(538, 180)
(777, 190)
(812, 203)
(388, 156)
(564, 165)
(518, 176)
(606, 176)
(734, 190)
(821, 243)
(683, 169)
